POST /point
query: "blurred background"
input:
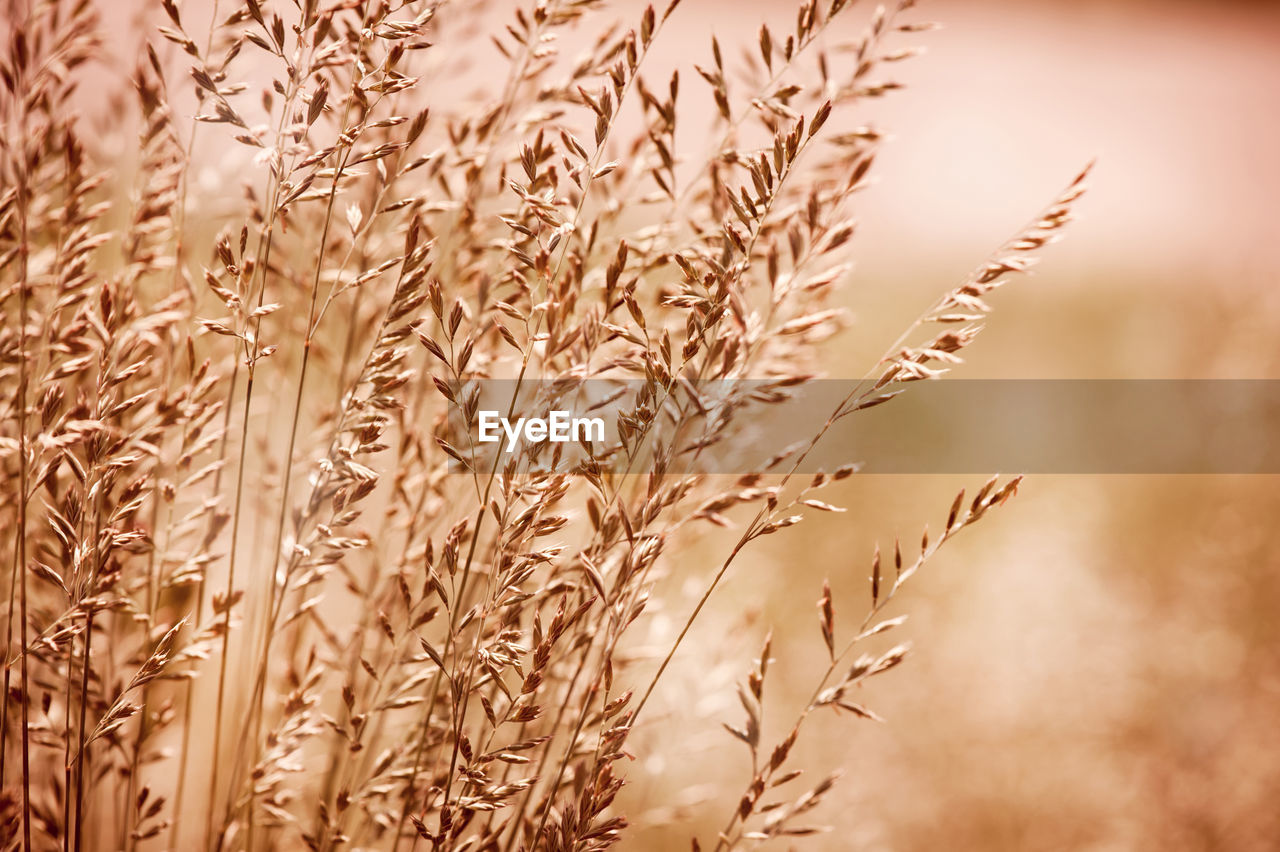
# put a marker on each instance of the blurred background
(1096, 666)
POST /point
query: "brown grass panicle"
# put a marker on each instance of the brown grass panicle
(249, 605)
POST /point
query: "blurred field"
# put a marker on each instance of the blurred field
(1099, 667)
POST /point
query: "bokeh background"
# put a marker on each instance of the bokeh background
(1097, 666)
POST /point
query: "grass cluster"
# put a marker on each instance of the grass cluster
(250, 601)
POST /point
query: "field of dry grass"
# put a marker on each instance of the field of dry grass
(259, 259)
